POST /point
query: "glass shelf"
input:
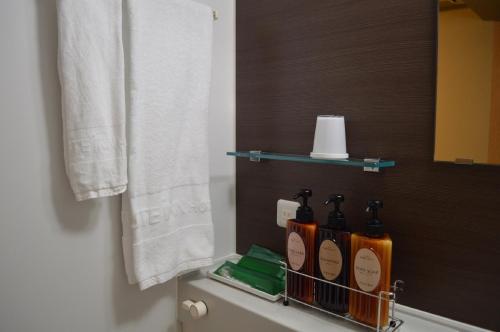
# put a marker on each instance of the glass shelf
(368, 164)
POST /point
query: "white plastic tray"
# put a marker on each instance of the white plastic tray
(239, 284)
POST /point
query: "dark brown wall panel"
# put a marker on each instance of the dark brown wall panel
(374, 62)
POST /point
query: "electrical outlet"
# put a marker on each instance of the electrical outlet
(285, 210)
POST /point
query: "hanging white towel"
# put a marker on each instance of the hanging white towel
(92, 82)
(166, 215)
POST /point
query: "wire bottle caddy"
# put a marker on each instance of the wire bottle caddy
(384, 298)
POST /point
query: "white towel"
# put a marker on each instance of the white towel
(92, 83)
(166, 215)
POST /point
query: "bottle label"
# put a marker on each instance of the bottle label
(367, 270)
(330, 260)
(296, 251)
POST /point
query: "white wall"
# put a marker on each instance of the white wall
(61, 266)
(222, 134)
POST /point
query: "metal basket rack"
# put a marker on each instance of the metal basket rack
(383, 296)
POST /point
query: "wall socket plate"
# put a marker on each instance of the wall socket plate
(285, 210)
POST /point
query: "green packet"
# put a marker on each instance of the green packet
(271, 269)
(265, 254)
(263, 260)
(258, 280)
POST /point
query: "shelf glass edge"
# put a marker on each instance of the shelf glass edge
(354, 162)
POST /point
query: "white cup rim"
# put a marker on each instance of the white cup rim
(330, 116)
(326, 155)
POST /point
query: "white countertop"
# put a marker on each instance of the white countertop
(301, 318)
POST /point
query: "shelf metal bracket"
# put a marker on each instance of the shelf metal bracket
(253, 156)
(373, 169)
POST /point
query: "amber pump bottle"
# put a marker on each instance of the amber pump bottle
(301, 239)
(371, 255)
(333, 259)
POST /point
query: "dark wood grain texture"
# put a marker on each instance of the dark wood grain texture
(375, 63)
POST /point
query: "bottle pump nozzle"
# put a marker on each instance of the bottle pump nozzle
(375, 227)
(336, 218)
(304, 212)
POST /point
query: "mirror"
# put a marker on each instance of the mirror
(468, 82)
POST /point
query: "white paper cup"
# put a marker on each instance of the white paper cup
(329, 138)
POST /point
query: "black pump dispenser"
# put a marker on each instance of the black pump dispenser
(375, 227)
(336, 218)
(304, 212)
(333, 259)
